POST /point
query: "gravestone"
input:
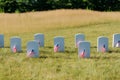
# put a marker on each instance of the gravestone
(84, 49)
(15, 44)
(1, 40)
(102, 44)
(39, 37)
(79, 38)
(32, 49)
(59, 44)
(116, 40)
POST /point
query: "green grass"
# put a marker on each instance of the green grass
(67, 65)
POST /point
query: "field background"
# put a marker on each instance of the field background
(60, 66)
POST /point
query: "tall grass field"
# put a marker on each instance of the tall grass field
(60, 66)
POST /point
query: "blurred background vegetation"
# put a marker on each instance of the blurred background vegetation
(11, 6)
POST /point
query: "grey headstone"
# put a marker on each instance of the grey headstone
(60, 42)
(39, 37)
(84, 49)
(1, 40)
(32, 46)
(79, 38)
(102, 44)
(15, 43)
(116, 40)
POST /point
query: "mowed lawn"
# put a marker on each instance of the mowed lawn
(60, 66)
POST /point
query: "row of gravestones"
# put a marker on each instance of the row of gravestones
(102, 44)
(82, 45)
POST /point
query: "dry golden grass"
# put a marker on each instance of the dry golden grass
(43, 21)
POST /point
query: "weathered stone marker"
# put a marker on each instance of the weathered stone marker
(59, 44)
(116, 40)
(102, 44)
(1, 41)
(84, 49)
(79, 38)
(32, 49)
(15, 44)
(39, 37)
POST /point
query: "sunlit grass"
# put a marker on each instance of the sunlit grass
(60, 66)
